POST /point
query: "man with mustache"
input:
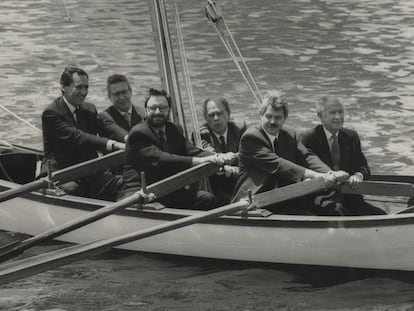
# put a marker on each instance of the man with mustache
(340, 149)
(70, 136)
(271, 156)
(158, 148)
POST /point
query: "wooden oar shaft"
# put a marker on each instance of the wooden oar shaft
(37, 264)
(73, 172)
(89, 167)
(160, 189)
(282, 194)
(18, 191)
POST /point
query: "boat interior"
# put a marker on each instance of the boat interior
(20, 165)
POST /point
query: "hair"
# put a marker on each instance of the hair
(155, 92)
(66, 78)
(116, 78)
(217, 100)
(324, 102)
(275, 99)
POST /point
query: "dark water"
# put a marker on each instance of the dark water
(361, 51)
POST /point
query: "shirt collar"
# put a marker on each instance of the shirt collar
(270, 136)
(329, 134)
(70, 106)
(224, 135)
(127, 112)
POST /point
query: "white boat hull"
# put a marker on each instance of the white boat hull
(374, 242)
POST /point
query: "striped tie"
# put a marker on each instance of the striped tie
(335, 153)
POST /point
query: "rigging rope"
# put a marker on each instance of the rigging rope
(19, 118)
(215, 17)
(186, 75)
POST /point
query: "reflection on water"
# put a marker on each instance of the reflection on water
(361, 51)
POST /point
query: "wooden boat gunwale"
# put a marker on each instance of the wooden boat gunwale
(278, 220)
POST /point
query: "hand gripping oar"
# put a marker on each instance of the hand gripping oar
(30, 266)
(160, 188)
(69, 173)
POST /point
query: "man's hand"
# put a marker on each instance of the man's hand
(341, 176)
(231, 170)
(355, 180)
(334, 178)
(215, 158)
(118, 146)
(228, 157)
(113, 145)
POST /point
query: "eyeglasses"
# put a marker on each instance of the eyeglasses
(160, 108)
(123, 93)
(211, 115)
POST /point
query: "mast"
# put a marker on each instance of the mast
(166, 61)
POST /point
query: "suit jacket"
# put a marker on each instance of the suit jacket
(144, 153)
(261, 169)
(234, 133)
(67, 142)
(223, 186)
(352, 158)
(111, 116)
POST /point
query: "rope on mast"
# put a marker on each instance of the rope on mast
(20, 118)
(220, 25)
(186, 75)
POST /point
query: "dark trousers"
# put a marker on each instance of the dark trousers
(190, 199)
(104, 186)
(222, 187)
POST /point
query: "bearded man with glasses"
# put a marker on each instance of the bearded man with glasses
(158, 148)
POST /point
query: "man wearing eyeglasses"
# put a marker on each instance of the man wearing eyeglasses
(221, 135)
(158, 148)
(70, 136)
(122, 113)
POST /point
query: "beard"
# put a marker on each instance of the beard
(157, 120)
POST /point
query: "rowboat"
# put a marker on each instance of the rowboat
(374, 242)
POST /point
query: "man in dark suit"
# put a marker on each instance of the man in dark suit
(70, 135)
(221, 135)
(271, 156)
(158, 148)
(122, 113)
(340, 149)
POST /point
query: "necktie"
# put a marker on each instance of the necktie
(163, 140)
(335, 153)
(276, 146)
(222, 143)
(76, 114)
(127, 117)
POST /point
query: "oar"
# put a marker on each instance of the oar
(384, 188)
(69, 173)
(30, 266)
(160, 188)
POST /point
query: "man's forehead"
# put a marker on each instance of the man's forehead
(334, 106)
(272, 110)
(211, 105)
(157, 100)
(79, 79)
(119, 85)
